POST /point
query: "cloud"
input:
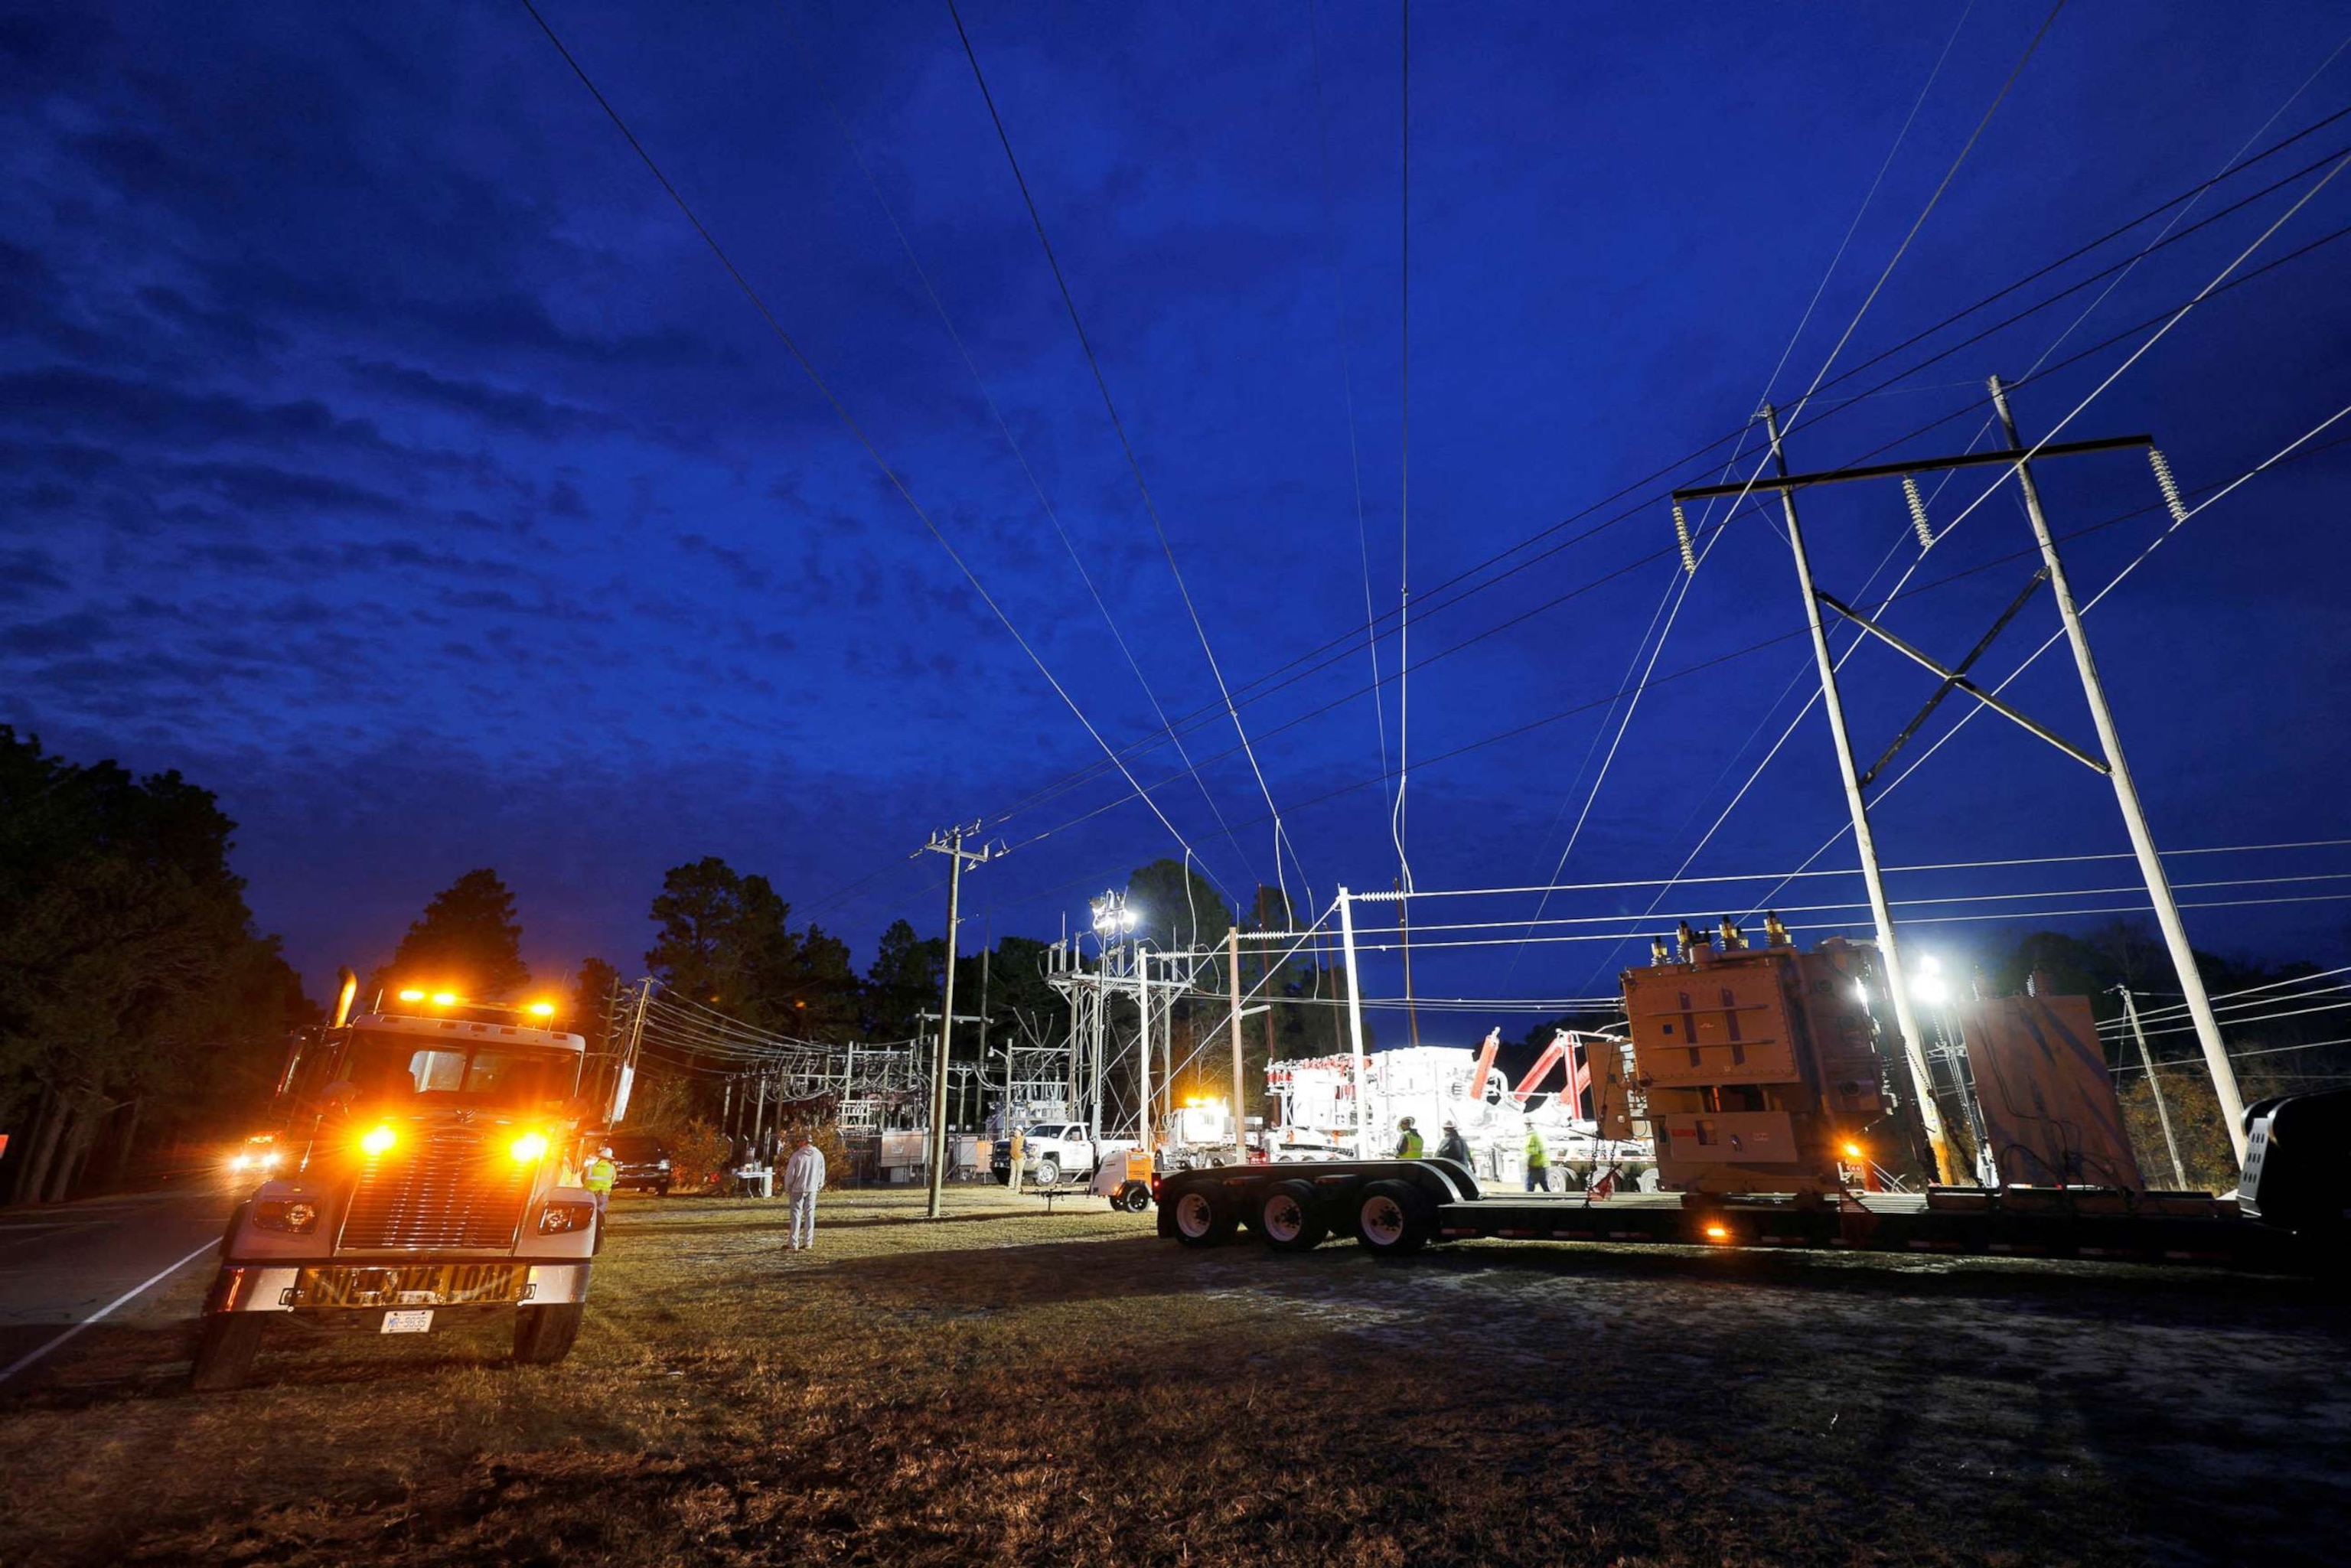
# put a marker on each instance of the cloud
(268, 491)
(77, 632)
(499, 407)
(564, 500)
(748, 572)
(67, 400)
(24, 572)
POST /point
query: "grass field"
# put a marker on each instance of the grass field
(1010, 1386)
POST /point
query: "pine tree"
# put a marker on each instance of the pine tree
(468, 941)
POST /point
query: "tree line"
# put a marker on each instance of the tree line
(137, 1002)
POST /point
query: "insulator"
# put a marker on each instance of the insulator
(1918, 512)
(2166, 484)
(1682, 533)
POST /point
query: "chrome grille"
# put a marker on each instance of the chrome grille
(449, 1186)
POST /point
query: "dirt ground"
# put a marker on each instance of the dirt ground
(1010, 1386)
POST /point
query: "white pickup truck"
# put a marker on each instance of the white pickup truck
(1055, 1152)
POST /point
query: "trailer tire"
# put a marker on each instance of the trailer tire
(226, 1347)
(1131, 1198)
(1205, 1217)
(544, 1335)
(1394, 1218)
(1290, 1218)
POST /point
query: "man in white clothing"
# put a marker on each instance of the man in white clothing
(803, 1180)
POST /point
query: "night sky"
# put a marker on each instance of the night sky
(385, 450)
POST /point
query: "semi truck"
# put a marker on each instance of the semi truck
(1762, 1077)
(427, 1179)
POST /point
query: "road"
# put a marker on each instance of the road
(61, 1266)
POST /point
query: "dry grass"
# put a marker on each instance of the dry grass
(1011, 1388)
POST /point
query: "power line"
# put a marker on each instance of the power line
(2289, 454)
(1404, 462)
(1914, 920)
(1135, 466)
(1268, 684)
(841, 412)
(1346, 381)
(2152, 1013)
(1004, 428)
(2265, 1050)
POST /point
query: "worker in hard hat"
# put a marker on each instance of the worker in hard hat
(1407, 1140)
(1453, 1145)
(600, 1172)
(1538, 1160)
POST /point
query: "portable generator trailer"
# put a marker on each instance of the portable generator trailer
(1759, 1071)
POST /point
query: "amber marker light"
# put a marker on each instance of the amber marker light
(411, 994)
(542, 1009)
(445, 999)
(1717, 1233)
(528, 1147)
(379, 1140)
(1853, 1151)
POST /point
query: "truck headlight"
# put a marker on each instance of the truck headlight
(557, 1218)
(378, 1140)
(660, 1165)
(296, 1215)
(528, 1147)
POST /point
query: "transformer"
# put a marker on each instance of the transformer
(1759, 1067)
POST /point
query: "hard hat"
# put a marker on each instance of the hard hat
(606, 1153)
(1451, 1126)
(1405, 1123)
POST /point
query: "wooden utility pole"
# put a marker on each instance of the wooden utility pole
(948, 842)
(2155, 1087)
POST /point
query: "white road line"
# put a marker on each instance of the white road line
(22, 1362)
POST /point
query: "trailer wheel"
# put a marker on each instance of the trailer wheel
(1132, 1197)
(1205, 1217)
(546, 1333)
(1290, 1219)
(226, 1347)
(1394, 1218)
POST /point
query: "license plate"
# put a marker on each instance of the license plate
(408, 1322)
(412, 1285)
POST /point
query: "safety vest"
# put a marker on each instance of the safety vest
(1538, 1157)
(600, 1175)
(1409, 1148)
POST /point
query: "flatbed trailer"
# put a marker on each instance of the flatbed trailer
(1399, 1206)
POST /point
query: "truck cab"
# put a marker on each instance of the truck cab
(425, 1179)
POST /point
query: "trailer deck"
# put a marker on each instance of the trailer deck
(1435, 1201)
(2029, 1223)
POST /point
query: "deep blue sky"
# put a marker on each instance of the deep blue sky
(383, 450)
